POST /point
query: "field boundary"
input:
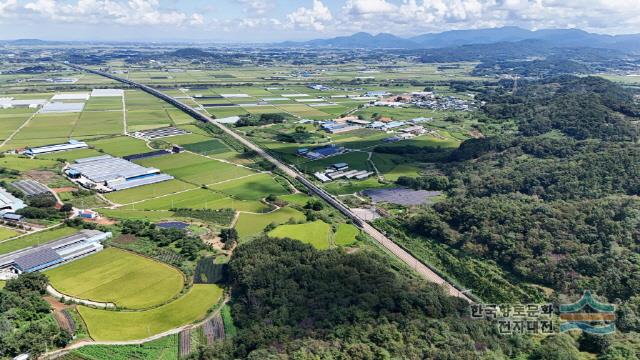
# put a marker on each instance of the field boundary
(58, 295)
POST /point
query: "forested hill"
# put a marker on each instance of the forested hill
(291, 301)
(589, 107)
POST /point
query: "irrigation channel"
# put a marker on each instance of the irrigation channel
(421, 268)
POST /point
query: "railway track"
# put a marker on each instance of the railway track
(421, 268)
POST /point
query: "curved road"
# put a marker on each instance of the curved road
(392, 247)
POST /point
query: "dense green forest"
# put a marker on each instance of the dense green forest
(26, 323)
(554, 204)
(291, 301)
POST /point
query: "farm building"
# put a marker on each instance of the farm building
(392, 125)
(229, 120)
(326, 151)
(340, 166)
(52, 254)
(416, 129)
(147, 155)
(78, 96)
(359, 122)
(376, 94)
(321, 176)
(30, 187)
(9, 102)
(160, 133)
(62, 107)
(107, 93)
(107, 173)
(12, 217)
(48, 149)
(10, 202)
(342, 128)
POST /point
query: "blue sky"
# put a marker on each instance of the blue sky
(277, 20)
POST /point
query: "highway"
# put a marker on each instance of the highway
(387, 243)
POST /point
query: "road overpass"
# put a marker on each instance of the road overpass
(421, 268)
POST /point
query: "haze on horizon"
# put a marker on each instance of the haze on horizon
(279, 20)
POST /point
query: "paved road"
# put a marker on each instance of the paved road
(392, 247)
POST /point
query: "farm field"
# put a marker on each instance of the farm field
(315, 233)
(137, 214)
(120, 277)
(196, 199)
(249, 225)
(297, 199)
(105, 325)
(196, 169)
(120, 145)
(345, 234)
(165, 348)
(35, 239)
(254, 187)
(7, 233)
(25, 164)
(148, 191)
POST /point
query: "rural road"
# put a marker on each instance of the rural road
(387, 243)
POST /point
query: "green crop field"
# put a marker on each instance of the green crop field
(7, 233)
(345, 234)
(251, 188)
(165, 348)
(137, 214)
(106, 325)
(196, 169)
(316, 233)
(148, 191)
(121, 146)
(123, 278)
(297, 199)
(195, 199)
(208, 147)
(249, 225)
(35, 239)
(25, 164)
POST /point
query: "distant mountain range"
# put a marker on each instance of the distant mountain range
(552, 37)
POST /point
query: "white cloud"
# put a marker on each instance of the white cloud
(315, 18)
(131, 12)
(368, 7)
(6, 6)
(410, 17)
(258, 7)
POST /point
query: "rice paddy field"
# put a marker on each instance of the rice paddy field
(116, 276)
(106, 325)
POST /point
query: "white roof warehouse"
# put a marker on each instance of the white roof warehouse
(115, 173)
(52, 254)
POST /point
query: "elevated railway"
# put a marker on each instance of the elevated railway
(421, 268)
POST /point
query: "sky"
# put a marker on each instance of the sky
(256, 21)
